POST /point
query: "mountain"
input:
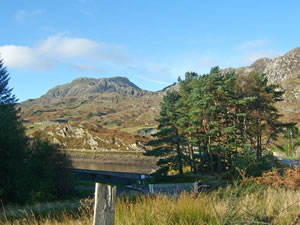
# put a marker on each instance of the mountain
(84, 86)
(88, 113)
(107, 102)
(278, 69)
(113, 113)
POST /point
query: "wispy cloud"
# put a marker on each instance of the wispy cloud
(21, 14)
(251, 57)
(47, 29)
(207, 62)
(62, 49)
(87, 12)
(83, 67)
(251, 44)
(144, 78)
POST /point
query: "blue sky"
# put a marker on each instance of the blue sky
(47, 43)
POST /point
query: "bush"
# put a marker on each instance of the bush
(288, 178)
(29, 171)
(89, 115)
(247, 164)
(48, 172)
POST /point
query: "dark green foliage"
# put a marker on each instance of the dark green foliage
(12, 142)
(245, 164)
(292, 135)
(47, 176)
(89, 115)
(169, 141)
(262, 117)
(29, 170)
(218, 122)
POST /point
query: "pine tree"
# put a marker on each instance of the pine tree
(263, 117)
(185, 121)
(12, 142)
(168, 141)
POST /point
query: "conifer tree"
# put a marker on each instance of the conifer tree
(168, 141)
(263, 120)
(185, 121)
(12, 142)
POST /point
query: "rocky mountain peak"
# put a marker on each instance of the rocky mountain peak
(284, 67)
(279, 69)
(260, 64)
(83, 86)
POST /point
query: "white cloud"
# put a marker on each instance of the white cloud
(21, 14)
(60, 49)
(72, 47)
(23, 57)
(251, 44)
(68, 47)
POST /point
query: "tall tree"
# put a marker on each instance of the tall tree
(185, 121)
(168, 141)
(263, 117)
(12, 142)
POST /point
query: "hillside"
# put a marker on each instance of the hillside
(115, 114)
(93, 114)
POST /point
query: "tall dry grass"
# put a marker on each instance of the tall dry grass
(234, 205)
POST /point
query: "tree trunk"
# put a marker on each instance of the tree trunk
(219, 162)
(179, 159)
(245, 131)
(210, 156)
(258, 140)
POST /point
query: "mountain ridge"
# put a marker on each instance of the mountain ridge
(94, 107)
(278, 69)
(84, 85)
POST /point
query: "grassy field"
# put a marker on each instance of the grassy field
(251, 204)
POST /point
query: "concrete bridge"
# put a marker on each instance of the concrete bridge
(125, 178)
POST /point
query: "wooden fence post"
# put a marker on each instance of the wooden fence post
(104, 211)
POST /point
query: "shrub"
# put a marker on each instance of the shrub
(247, 164)
(89, 115)
(48, 171)
(289, 178)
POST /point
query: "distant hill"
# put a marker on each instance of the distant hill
(85, 86)
(114, 113)
(88, 113)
